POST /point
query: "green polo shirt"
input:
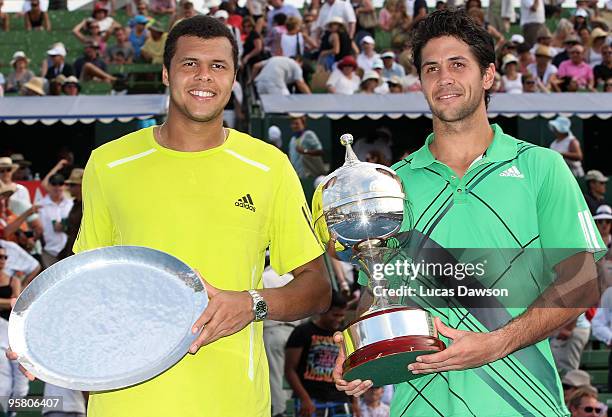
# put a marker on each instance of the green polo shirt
(518, 195)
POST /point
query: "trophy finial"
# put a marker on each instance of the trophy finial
(346, 139)
(350, 157)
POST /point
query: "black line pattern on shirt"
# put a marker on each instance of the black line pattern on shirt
(430, 204)
(420, 394)
(456, 395)
(499, 218)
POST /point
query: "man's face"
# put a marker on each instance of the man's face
(56, 189)
(603, 225)
(156, 35)
(201, 77)
(57, 60)
(297, 124)
(598, 187)
(5, 174)
(334, 317)
(388, 63)
(588, 408)
(575, 54)
(451, 79)
(542, 60)
(71, 89)
(75, 190)
(368, 47)
(120, 35)
(91, 53)
(606, 53)
(545, 41)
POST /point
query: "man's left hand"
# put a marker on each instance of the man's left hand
(227, 312)
(468, 350)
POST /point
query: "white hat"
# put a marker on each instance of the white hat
(561, 124)
(378, 64)
(221, 14)
(57, 50)
(19, 55)
(388, 54)
(335, 19)
(581, 13)
(275, 136)
(370, 75)
(368, 39)
(595, 175)
(508, 59)
(516, 38)
(212, 3)
(604, 212)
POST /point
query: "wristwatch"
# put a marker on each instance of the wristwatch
(260, 307)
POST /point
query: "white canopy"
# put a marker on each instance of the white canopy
(413, 105)
(84, 109)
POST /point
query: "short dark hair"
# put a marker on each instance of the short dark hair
(338, 300)
(203, 27)
(458, 24)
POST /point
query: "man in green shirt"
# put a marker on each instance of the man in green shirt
(473, 186)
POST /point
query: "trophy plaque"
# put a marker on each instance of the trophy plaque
(358, 209)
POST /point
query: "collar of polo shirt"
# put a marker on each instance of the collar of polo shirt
(501, 149)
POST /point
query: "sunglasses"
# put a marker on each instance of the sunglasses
(4, 257)
(603, 221)
(529, 82)
(4, 170)
(589, 409)
(56, 184)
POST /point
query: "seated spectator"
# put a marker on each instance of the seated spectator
(153, 49)
(411, 81)
(366, 18)
(122, 45)
(524, 56)
(58, 65)
(542, 70)
(294, 42)
(596, 189)
(395, 85)
(54, 210)
(309, 361)
(34, 87)
(23, 172)
(20, 263)
(71, 86)
(385, 16)
(4, 18)
(139, 34)
(530, 84)
(577, 69)
(368, 54)
(21, 74)
(234, 19)
(253, 48)
(566, 144)
(106, 23)
(90, 66)
(372, 406)
(594, 51)
(55, 85)
(574, 380)
(88, 31)
(275, 75)
(603, 71)
(336, 10)
(369, 82)
(583, 403)
(336, 43)
(544, 38)
(569, 42)
(512, 82)
(305, 150)
(13, 383)
(391, 67)
(584, 34)
(163, 6)
(36, 19)
(581, 18)
(10, 222)
(378, 66)
(607, 88)
(344, 79)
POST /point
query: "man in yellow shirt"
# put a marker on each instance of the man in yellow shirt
(216, 198)
(153, 49)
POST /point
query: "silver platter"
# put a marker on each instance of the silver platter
(107, 318)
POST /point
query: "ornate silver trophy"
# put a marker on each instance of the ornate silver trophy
(357, 209)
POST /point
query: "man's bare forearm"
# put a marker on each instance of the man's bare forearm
(308, 293)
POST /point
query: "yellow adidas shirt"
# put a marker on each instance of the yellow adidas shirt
(217, 210)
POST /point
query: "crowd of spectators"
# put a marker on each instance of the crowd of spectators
(331, 46)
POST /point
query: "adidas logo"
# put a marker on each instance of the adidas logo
(246, 202)
(512, 172)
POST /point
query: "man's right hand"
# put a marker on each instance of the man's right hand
(356, 387)
(13, 356)
(307, 408)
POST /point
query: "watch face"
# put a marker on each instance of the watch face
(261, 310)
